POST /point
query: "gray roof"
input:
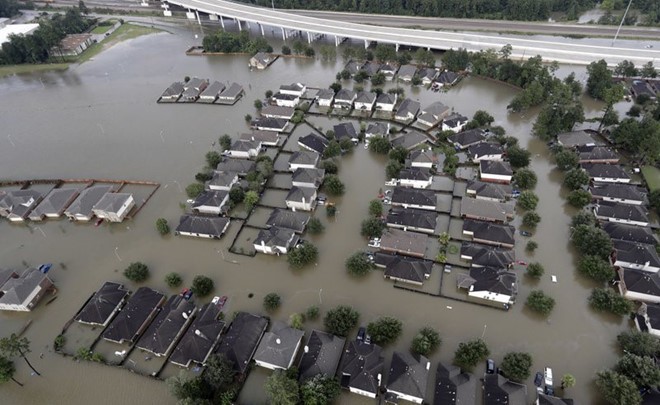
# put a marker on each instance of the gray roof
(55, 202)
(292, 87)
(366, 97)
(490, 190)
(262, 136)
(415, 173)
(410, 140)
(315, 142)
(276, 110)
(325, 94)
(304, 158)
(103, 303)
(495, 167)
(407, 268)
(407, 106)
(15, 290)
(408, 374)
(276, 236)
(212, 198)
(641, 281)
(233, 91)
(447, 77)
(240, 166)
(622, 191)
(386, 98)
(428, 73)
(425, 156)
(608, 209)
(345, 130)
(263, 57)
(197, 342)
(211, 226)
(551, 400)
(371, 67)
(596, 153)
(19, 202)
(294, 220)
(455, 119)
(321, 355)
(489, 231)
(485, 149)
(411, 196)
(486, 210)
(605, 171)
(638, 253)
(345, 95)
(175, 89)
(305, 175)
(279, 346)
(195, 83)
(577, 138)
(453, 387)
(87, 199)
(467, 138)
(410, 217)
(242, 145)
(378, 129)
(361, 367)
(136, 313)
(352, 66)
(407, 243)
(222, 179)
(112, 202)
(407, 71)
(488, 256)
(630, 233)
(165, 328)
(436, 109)
(498, 390)
(242, 339)
(300, 194)
(213, 90)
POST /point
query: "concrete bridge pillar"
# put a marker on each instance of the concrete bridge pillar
(239, 24)
(262, 30)
(396, 47)
(283, 34)
(198, 20)
(336, 41)
(366, 44)
(248, 24)
(309, 38)
(222, 22)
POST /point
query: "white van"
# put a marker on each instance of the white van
(547, 374)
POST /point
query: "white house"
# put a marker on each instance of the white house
(301, 198)
(495, 287)
(639, 285)
(308, 177)
(304, 160)
(222, 181)
(211, 202)
(275, 241)
(365, 100)
(604, 173)
(648, 319)
(632, 255)
(294, 89)
(325, 97)
(386, 102)
(22, 292)
(377, 129)
(433, 114)
(81, 208)
(454, 122)
(622, 213)
(114, 207)
(202, 226)
(270, 124)
(495, 171)
(285, 100)
(244, 149)
(621, 193)
(345, 98)
(485, 151)
(415, 177)
(407, 110)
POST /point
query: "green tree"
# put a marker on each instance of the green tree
(617, 389)
(204, 176)
(225, 143)
(518, 157)
(302, 255)
(82, 7)
(596, 268)
(641, 370)
(236, 196)
(250, 200)
(7, 371)
(194, 190)
(272, 301)
(626, 68)
(378, 79)
(281, 389)
(136, 272)
(333, 149)
(654, 200)
(516, 366)
(531, 246)
(385, 52)
(201, 286)
(358, 265)
(286, 50)
(184, 388)
(315, 227)
(531, 219)
(566, 159)
(579, 198)
(583, 218)
(298, 47)
(426, 341)
(561, 111)
(456, 60)
(333, 185)
(470, 353)
(375, 208)
(424, 57)
(15, 346)
(173, 280)
(576, 178)
(537, 301)
(340, 320)
(393, 169)
(483, 118)
(525, 179)
(591, 241)
(213, 158)
(297, 321)
(320, 390)
(309, 52)
(329, 166)
(600, 79)
(604, 299)
(385, 329)
(162, 226)
(399, 154)
(219, 372)
(535, 270)
(648, 70)
(258, 104)
(312, 312)
(639, 343)
(372, 228)
(528, 200)
(380, 144)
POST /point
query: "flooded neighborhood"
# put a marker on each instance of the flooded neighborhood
(439, 239)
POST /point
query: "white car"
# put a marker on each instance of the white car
(547, 374)
(375, 243)
(392, 182)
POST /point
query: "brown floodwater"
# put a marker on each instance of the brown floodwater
(100, 120)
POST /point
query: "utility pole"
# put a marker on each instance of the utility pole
(622, 20)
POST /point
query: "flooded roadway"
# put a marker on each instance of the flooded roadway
(100, 120)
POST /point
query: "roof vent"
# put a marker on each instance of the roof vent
(278, 341)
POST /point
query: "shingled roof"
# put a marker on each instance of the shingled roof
(103, 304)
(242, 339)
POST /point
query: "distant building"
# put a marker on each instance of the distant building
(193, 88)
(210, 94)
(407, 73)
(414, 198)
(242, 149)
(22, 292)
(489, 191)
(202, 226)
(345, 130)
(296, 89)
(172, 93)
(261, 60)
(275, 241)
(16, 205)
(454, 122)
(447, 78)
(487, 256)
(407, 110)
(6, 30)
(365, 100)
(325, 97)
(410, 219)
(231, 94)
(345, 98)
(410, 141)
(211, 202)
(386, 102)
(485, 151)
(54, 204)
(313, 142)
(72, 45)
(286, 100)
(433, 114)
(486, 210)
(114, 207)
(82, 207)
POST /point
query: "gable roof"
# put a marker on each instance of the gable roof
(498, 390)
(378, 129)
(577, 138)
(410, 140)
(211, 198)
(198, 341)
(411, 217)
(402, 267)
(467, 138)
(240, 166)
(325, 94)
(345, 130)
(222, 179)
(213, 89)
(277, 111)
(270, 123)
(138, 309)
(407, 71)
(454, 120)
(103, 304)
(453, 387)
(17, 289)
(173, 316)
(175, 89)
(241, 340)
(301, 194)
(233, 91)
(294, 220)
(497, 233)
(436, 109)
(494, 281)
(408, 106)
(321, 355)
(485, 149)
(495, 167)
(447, 77)
(415, 173)
(413, 196)
(202, 225)
(304, 158)
(112, 202)
(87, 199)
(596, 153)
(362, 366)
(608, 209)
(276, 237)
(19, 202)
(345, 95)
(410, 243)
(622, 191)
(641, 281)
(485, 209)
(551, 400)
(490, 190)
(408, 374)
(638, 253)
(306, 175)
(315, 142)
(367, 97)
(488, 256)
(386, 98)
(604, 170)
(279, 346)
(55, 202)
(630, 233)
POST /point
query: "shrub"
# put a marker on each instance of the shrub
(162, 226)
(194, 190)
(333, 185)
(535, 270)
(136, 272)
(531, 219)
(604, 299)
(330, 210)
(312, 312)
(340, 320)
(358, 265)
(173, 280)
(384, 330)
(272, 301)
(470, 353)
(59, 342)
(537, 301)
(380, 144)
(516, 366)
(426, 341)
(596, 268)
(528, 200)
(201, 286)
(525, 179)
(531, 246)
(315, 227)
(302, 255)
(579, 198)
(286, 50)
(296, 321)
(372, 228)
(375, 208)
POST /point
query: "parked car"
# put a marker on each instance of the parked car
(525, 233)
(361, 334)
(367, 339)
(375, 243)
(392, 182)
(538, 379)
(490, 366)
(549, 390)
(547, 374)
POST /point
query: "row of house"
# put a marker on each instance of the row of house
(78, 204)
(202, 91)
(405, 73)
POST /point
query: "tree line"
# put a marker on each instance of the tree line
(8, 8)
(35, 48)
(229, 42)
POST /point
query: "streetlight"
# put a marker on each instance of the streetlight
(622, 20)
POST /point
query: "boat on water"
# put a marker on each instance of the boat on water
(45, 268)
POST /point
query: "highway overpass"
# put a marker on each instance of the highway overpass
(563, 50)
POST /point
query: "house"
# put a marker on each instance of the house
(285, 100)
(604, 173)
(497, 287)
(489, 233)
(352, 67)
(386, 102)
(377, 129)
(577, 139)
(72, 45)
(465, 139)
(623, 213)
(433, 114)
(408, 378)
(361, 368)
(447, 78)
(279, 347)
(303, 159)
(597, 154)
(211, 202)
(168, 326)
(486, 210)
(371, 68)
(103, 305)
(172, 93)
(410, 140)
(414, 198)
(321, 355)
(365, 100)
(428, 75)
(192, 88)
(242, 149)
(200, 339)
(15, 205)
(222, 181)
(312, 178)
(489, 191)
(275, 111)
(301, 198)
(270, 124)
(416, 177)
(241, 340)
(81, 208)
(410, 219)
(405, 269)
(345, 130)
(407, 72)
(639, 285)
(640, 87)
(210, 93)
(325, 97)
(261, 60)
(648, 319)
(231, 94)
(239, 166)
(275, 241)
(295, 89)
(54, 204)
(313, 142)
(487, 256)
(499, 390)
(295, 221)
(407, 111)
(485, 151)
(454, 122)
(453, 387)
(267, 138)
(495, 171)
(114, 207)
(133, 319)
(388, 70)
(202, 227)
(635, 255)
(552, 400)
(621, 193)
(425, 158)
(629, 233)
(345, 98)
(22, 292)
(405, 243)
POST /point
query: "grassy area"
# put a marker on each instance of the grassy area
(9, 70)
(652, 176)
(124, 33)
(101, 29)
